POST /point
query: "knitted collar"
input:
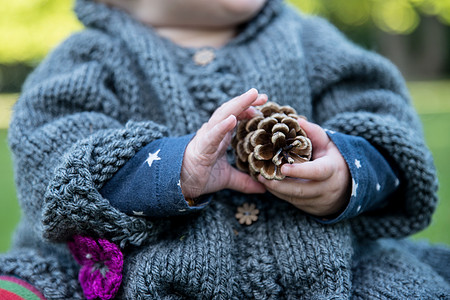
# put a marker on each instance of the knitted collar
(98, 15)
(149, 49)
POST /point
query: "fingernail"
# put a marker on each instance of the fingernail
(261, 96)
(251, 91)
(230, 117)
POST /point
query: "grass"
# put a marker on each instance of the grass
(9, 208)
(437, 127)
(431, 100)
(6, 102)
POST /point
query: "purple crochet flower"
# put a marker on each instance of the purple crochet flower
(102, 262)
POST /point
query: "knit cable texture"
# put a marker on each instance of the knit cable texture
(111, 89)
(49, 274)
(73, 204)
(379, 110)
(287, 256)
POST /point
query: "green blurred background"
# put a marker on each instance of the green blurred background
(414, 34)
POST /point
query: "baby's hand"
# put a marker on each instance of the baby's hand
(205, 168)
(319, 187)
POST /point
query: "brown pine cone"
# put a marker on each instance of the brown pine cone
(264, 143)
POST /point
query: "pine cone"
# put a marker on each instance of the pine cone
(264, 143)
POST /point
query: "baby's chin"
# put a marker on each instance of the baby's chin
(229, 13)
(242, 10)
(199, 13)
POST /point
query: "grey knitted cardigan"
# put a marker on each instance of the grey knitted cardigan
(111, 89)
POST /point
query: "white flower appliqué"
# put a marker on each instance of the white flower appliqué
(138, 213)
(378, 187)
(354, 187)
(152, 157)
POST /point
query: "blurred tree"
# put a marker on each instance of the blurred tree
(414, 34)
(30, 28)
(394, 16)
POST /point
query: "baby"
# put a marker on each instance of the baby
(120, 141)
(198, 24)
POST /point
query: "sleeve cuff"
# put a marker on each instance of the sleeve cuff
(373, 179)
(149, 184)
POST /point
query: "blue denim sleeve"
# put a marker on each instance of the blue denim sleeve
(373, 179)
(149, 183)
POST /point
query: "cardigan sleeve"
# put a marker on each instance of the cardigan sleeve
(359, 93)
(149, 183)
(372, 178)
(71, 131)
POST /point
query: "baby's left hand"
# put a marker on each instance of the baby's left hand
(319, 187)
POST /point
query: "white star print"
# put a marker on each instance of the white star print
(179, 183)
(354, 188)
(138, 213)
(330, 131)
(357, 164)
(397, 182)
(359, 208)
(152, 157)
(378, 187)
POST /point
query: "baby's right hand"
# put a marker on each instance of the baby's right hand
(205, 168)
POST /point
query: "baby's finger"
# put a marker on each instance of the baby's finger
(211, 141)
(290, 188)
(301, 203)
(315, 133)
(249, 113)
(262, 99)
(234, 107)
(225, 143)
(243, 183)
(252, 111)
(319, 170)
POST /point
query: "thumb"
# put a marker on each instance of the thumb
(243, 183)
(315, 133)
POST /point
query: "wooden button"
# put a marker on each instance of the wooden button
(247, 214)
(204, 56)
